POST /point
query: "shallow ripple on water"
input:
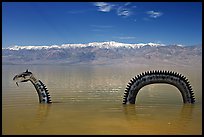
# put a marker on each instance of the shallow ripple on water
(89, 101)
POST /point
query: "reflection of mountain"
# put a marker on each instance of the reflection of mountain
(102, 53)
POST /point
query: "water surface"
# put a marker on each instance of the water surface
(88, 100)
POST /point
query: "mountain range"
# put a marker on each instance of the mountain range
(103, 53)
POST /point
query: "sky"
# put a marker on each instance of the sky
(57, 23)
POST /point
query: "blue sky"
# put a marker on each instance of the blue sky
(50, 23)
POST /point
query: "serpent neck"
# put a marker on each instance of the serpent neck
(33, 79)
(43, 94)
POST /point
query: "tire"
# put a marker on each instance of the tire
(43, 93)
(156, 76)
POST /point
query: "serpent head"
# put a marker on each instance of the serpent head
(23, 77)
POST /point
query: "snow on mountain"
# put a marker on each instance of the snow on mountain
(107, 45)
(102, 53)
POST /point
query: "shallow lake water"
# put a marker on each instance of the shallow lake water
(88, 100)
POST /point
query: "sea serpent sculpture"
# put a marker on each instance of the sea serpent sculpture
(133, 87)
(158, 76)
(43, 94)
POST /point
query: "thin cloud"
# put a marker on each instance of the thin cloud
(127, 3)
(154, 14)
(124, 10)
(121, 11)
(104, 6)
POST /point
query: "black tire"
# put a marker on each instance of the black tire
(39, 90)
(156, 76)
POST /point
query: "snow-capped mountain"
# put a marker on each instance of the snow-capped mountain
(102, 53)
(110, 44)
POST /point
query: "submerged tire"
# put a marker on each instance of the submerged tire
(43, 93)
(156, 76)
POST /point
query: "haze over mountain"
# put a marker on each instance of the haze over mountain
(104, 53)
